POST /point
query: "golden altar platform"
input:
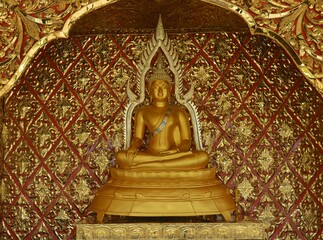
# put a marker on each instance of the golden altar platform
(163, 193)
(175, 231)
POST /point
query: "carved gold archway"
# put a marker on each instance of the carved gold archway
(27, 26)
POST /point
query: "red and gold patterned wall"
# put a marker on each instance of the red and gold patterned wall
(261, 123)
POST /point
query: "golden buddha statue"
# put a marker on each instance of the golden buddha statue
(169, 133)
(159, 174)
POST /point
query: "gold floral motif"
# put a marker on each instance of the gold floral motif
(23, 213)
(61, 214)
(309, 215)
(208, 138)
(266, 159)
(266, 215)
(285, 131)
(82, 134)
(101, 159)
(224, 161)
(62, 162)
(286, 188)
(243, 131)
(203, 75)
(307, 162)
(82, 189)
(120, 75)
(42, 191)
(223, 103)
(310, 218)
(245, 188)
(41, 231)
(221, 50)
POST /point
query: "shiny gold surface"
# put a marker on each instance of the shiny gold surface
(240, 81)
(161, 152)
(27, 27)
(169, 143)
(215, 231)
(163, 193)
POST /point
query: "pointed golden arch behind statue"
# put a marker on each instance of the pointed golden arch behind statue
(307, 68)
(160, 42)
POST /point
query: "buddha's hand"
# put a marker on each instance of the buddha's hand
(184, 146)
(133, 149)
(168, 152)
(131, 153)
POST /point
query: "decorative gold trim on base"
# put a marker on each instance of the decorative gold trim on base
(239, 230)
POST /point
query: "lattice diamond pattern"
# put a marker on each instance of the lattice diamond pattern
(261, 124)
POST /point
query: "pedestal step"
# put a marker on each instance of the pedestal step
(179, 231)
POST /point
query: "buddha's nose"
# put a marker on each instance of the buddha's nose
(160, 90)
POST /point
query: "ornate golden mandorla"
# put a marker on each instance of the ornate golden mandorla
(26, 28)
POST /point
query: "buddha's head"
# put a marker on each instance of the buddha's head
(159, 84)
(159, 90)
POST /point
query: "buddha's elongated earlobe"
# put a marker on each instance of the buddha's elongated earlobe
(150, 94)
(169, 98)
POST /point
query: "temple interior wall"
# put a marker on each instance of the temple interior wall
(261, 123)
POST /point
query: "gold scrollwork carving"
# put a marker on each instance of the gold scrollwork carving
(295, 25)
(27, 26)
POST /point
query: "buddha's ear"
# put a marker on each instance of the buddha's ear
(170, 86)
(170, 89)
(150, 93)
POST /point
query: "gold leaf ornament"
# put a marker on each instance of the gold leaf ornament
(11, 3)
(286, 23)
(32, 29)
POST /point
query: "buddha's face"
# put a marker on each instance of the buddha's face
(160, 90)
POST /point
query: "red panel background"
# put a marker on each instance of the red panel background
(261, 123)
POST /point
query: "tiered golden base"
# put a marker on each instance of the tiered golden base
(161, 193)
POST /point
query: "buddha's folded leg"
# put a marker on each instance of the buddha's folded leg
(122, 161)
(181, 161)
